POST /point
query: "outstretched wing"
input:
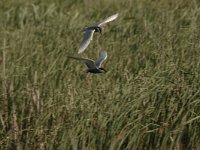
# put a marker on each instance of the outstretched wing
(102, 57)
(109, 19)
(89, 63)
(87, 37)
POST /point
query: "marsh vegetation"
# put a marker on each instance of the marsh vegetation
(148, 99)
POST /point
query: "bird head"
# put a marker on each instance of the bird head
(98, 29)
(102, 70)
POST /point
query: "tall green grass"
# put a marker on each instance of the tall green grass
(148, 99)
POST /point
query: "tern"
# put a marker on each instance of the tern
(89, 31)
(93, 66)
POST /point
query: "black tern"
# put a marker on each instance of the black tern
(89, 31)
(93, 66)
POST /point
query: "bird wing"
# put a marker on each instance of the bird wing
(89, 63)
(109, 19)
(87, 37)
(102, 57)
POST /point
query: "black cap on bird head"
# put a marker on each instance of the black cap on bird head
(103, 70)
(98, 29)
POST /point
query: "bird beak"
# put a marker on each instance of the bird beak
(100, 30)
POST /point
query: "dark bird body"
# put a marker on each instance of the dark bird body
(96, 70)
(93, 66)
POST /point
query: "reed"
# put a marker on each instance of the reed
(148, 99)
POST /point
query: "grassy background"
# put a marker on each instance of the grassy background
(148, 99)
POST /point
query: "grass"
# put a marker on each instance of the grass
(148, 99)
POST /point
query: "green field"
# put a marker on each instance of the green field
(148, 100)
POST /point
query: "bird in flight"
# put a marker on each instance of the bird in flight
(93, 66)
(89, 31)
